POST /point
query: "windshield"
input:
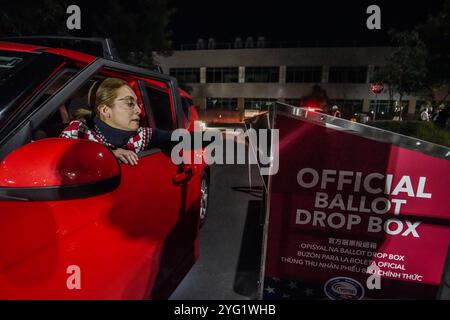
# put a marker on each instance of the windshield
(21, 73)
(10, 62)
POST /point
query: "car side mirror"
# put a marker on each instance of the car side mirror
(58, 169)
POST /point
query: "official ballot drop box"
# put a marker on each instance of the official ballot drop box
(352, 211)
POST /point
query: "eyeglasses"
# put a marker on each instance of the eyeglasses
(131, 103)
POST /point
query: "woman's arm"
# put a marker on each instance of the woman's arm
(126, 156)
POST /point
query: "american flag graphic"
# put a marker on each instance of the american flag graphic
(282, 289)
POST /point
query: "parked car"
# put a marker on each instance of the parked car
(74, 223)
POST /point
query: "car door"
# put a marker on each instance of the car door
(124, 244)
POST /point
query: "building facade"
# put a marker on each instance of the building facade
(241, 79)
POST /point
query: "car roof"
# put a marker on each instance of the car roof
(19, 47)
(74, 55)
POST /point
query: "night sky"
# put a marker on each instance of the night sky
(283, 20)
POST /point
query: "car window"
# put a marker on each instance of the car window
(50, 126)
(186, 105)
(78, 105)
(160, 107)
(59, 118)
(49, 119)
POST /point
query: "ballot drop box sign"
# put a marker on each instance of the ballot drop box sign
(353, 218)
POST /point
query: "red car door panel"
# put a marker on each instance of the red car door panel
(118, 240)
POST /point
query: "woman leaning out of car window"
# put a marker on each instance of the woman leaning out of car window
(113, 119)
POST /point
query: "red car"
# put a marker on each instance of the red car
(74, 223)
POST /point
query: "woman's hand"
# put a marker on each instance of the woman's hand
(126, 156)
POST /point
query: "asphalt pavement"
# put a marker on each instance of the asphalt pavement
(230, 240)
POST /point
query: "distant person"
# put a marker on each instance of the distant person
(397, 114)
(335, 112)
(425, 116)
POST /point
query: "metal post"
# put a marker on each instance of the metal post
(376, 106)
(249, 162)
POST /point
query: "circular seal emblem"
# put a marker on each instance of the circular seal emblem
(342, 288)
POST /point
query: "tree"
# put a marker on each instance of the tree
(406, 69)
(318, 97)
(420, 64)
(137, 27)
(20, 18)
(435, 33)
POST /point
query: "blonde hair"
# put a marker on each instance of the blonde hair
(100, 93)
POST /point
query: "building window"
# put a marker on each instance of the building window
(222, 103)
(262, 74)
(259, 103)
(186, 75)
(304, 74)
(348, 108)
(222, 75)
(348, 75)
